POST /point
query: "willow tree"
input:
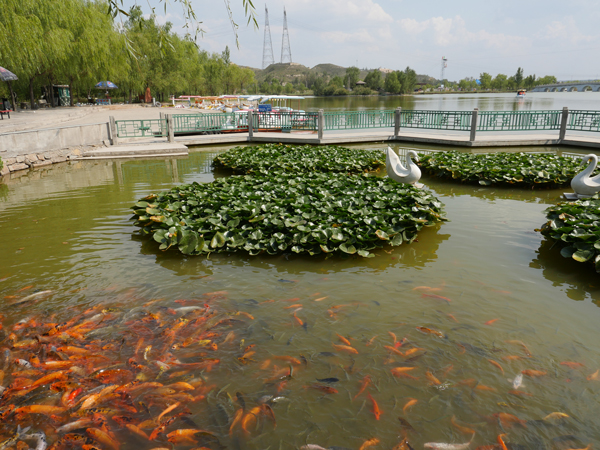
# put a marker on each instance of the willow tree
(35, 37)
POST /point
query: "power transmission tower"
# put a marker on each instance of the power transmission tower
(268, 58)
(444, 65)
(286, 51)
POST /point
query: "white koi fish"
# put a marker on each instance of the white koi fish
(518, 381)
(444, 446)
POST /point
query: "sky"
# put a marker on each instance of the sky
(544, 37)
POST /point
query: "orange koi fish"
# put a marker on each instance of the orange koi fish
(507, 420)
(398, 370)
(433, 381)
(494, 363)
(393, 336)
(439, 297)
(186, 435)
(345, 348)
(166, 411)
(461, 428)
(40, 409)
(322, 388)
(452, 317)
(237, 418)
(344, 340)
(290, 359)
(427, 288)
(376, 410)
(519, 393)
(447, 370)
(483, 387)
(501, 442)
(365, 382)
(370, 341)
(369, 443)
(320, 299)
(136, 430)
(512, 357)
(572, 365)
(411, 402)
(490, 322)
(299, 321)
(431, 331)
(103, 437)
(525, 349)
(297, 305)
(393, 350)
(556, 416)
(534, 373)
(593, 376)
(412, 351)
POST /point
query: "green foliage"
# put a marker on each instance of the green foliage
(309, 213)
(362, 90)
(352, 76)
(524, 169)
(519, 77)
(1, 164)
(269, 158)
(374, 79)
(576, 227)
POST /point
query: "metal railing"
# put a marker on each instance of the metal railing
(436, 120)
(141, 128)
(518, 120)
(356, 120)
(584, 120)
(209, 122)
(284, 121)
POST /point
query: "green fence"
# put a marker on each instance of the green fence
(356, 120)
(518, 120)
(584, 120)
(141, 128)
(209, 123)
(436, 120)
(284, 121)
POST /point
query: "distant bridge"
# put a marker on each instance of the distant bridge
(569, 86)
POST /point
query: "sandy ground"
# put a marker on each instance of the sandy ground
(65, 116)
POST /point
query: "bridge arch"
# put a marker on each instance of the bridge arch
(554, 89)
(573, 89)
(587, 88)
(564, 89)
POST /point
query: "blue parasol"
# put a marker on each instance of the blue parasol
(106, 85)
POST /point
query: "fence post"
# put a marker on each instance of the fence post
(170, 128)
(250, 125)
(397, 121)
(114, 138)
(563, 123)
(474, 124)
(320, 124)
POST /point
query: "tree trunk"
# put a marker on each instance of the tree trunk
(71, 90)
(31, 99)
(12, 97)
(51, 92)
(130, 94)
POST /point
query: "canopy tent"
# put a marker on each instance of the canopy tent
(8, 76)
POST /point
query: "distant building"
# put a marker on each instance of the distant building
(382, 70)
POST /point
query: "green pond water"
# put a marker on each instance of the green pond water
(67, 229)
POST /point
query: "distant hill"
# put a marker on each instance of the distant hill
(287, 72)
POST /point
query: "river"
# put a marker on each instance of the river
(456, 102)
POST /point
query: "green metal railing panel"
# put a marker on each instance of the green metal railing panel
(356, 120)
(284, 121)
(518, 120)
(584, 120)
(210, 122)
(436, 120)
(141, 128)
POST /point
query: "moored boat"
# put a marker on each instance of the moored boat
(521, 93)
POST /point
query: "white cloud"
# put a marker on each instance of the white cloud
(566, 30)
(454, 32)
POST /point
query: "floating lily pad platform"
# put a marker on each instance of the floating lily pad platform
(575, 226)
(310, 213)
(265, 159)
(520, 169)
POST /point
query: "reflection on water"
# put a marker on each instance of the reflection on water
(458, 102)
(476, 279)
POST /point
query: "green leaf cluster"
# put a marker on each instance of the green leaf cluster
(308, 213)
(523, 169)
(576, 226)
(265, 159)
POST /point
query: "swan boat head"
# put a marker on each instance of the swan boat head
(397, 172)
(583, 184)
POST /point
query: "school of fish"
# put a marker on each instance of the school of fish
(155, 376)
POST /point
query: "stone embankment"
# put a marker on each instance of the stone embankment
(36, 160)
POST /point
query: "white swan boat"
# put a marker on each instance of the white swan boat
(397, 172)
(583, 183)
